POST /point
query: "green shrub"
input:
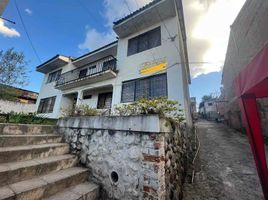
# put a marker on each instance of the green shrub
(162, 106)
(23, 118)
(80, 110)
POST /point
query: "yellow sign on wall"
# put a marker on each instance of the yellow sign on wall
(152, 67)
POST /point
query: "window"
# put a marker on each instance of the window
(92, 70)
(105, 100)
(54, 76)
(87, 96)
(210, 104)
(46, 105)
(153, 86)
(83, 73)
(144, 41)
(110, 64)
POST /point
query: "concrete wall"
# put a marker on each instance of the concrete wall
(144, 152)
(248, 35)
(10, 106)
(129, 66)
(48, 90)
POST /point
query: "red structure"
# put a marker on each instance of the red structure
(252, 83)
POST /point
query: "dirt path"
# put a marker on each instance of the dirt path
(225, 167)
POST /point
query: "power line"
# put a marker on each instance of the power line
(165, 26)
(8, 20)
(137, 28)
(27, 34)
(89, 13)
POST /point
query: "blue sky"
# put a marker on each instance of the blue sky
(72, 28)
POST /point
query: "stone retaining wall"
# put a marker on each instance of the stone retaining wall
(139, 157)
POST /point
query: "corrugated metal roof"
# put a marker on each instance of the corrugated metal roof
(137, 11)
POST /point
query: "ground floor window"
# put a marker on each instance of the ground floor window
(46, 105)
(105, 100)
(149, 87)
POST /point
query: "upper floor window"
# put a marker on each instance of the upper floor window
(54, 76)
(110, 64)
(46, 105)
(144, 41)
(83, 73)
(150, 87)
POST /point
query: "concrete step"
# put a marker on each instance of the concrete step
(44, 186)
(19, 140)
(19, 171)
(26, 129)
(85, 191)
(22, 153)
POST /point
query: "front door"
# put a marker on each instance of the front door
(105, 100)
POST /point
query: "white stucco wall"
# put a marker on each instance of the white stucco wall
(129, 68)
(10, 106)
(48, 90)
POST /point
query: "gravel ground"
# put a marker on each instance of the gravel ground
(225, 166)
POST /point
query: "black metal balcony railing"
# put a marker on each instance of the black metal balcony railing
(91, 69)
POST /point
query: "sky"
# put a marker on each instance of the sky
(73, 28)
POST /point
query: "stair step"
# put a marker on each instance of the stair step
(22, 153)
(18, 140)
(47, 185)
(19, 171)
(26, 129)
(86, 191)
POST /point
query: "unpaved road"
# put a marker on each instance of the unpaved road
(225, 166)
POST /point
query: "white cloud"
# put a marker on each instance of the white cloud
(113, 10)
(208, 25)
(95, 39)
(28, 11)
(6, 31)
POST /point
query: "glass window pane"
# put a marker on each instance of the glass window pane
(154, 38)
(128, 92)
(51, 104)
(159, 86)
(142, 89)
(132, 46)
(143, 42)
(83, 73)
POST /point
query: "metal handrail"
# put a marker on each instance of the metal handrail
(97, 67)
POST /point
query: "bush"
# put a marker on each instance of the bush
(22, 118)
(80, 110)
(162, 106)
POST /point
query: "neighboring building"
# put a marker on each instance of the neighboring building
(3, 4)
(248, 35)
(212, 109)
(18, 100)
(193, 107)
(148, 60)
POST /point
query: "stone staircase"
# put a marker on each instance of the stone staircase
(35, 164)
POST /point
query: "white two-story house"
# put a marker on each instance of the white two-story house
(149, 59)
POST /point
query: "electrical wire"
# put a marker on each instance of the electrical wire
(27, 34)
(137, 28)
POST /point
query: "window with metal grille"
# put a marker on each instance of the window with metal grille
(150, 87)
(54, 76)
(144, 41)
(83, 73)
(46, 105)
(110, 64)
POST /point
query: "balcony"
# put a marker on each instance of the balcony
(100, 70)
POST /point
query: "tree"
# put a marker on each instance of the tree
(207, 97)
(13, 68)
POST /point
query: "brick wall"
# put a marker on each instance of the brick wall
(248, 35)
